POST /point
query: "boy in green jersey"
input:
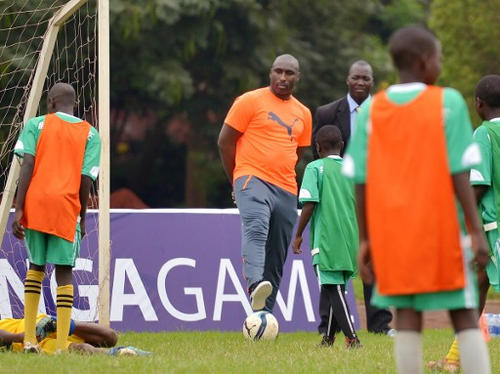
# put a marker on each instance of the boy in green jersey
(412, 202)
(485, 180)
(328, 198)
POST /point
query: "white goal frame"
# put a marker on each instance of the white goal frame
(50, 37)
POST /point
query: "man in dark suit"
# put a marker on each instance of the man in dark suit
(342, 113)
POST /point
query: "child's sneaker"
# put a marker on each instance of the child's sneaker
(31, 348)
(448, 366)
(391, 333)
(327, 341)
(352, 343)
(259, 294)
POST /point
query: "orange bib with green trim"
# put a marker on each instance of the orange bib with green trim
(52, 202)
(411, 212)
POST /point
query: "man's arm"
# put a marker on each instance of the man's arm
(319, 121)
(300, 153)
(228, 137)
(24, 181)
(324, 115)
(466, 198)
(305, 216)
(85, 184)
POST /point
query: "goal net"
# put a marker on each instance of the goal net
(33, 57)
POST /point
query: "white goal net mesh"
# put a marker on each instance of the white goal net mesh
(23, 27)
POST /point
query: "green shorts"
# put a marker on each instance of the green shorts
(466, 298)
(494, 263)
(44, 248)
(331, 277)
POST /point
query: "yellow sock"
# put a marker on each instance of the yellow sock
(454, 353)
(32, 290)
(64, 306)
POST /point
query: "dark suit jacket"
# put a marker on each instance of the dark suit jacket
(336, 113)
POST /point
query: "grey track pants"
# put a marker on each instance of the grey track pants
(268, 214)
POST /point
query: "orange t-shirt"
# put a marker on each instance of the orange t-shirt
(52, 202)
(272, 130)
(411, 211)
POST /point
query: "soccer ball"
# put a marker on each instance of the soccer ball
(260, 326)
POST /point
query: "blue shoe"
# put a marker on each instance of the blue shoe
(44, 327)
(127, 351)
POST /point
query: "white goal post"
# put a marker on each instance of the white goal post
(32, 105)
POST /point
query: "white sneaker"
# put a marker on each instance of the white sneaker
(391, 333)
(31, 348)
(260, 294)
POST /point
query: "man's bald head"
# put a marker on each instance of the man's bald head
(360, 80)
(360, 64)
(284, 76)
(61, 97)
(287, 60)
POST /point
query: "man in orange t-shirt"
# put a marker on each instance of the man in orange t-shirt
(263, 136)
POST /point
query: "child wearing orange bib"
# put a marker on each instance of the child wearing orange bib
(410, 159)
(60, 155)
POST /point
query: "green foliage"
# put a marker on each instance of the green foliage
(191, 58)
(194, 57)
(468, 30)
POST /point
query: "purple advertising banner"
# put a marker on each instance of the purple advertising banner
(170, 270)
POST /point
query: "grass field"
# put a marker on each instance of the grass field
(222, 352)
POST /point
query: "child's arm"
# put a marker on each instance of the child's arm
(305, 216)
(479, 191)
(24, 181)
(364, 255)
(465, 195)
(85, 184)
(7, 338)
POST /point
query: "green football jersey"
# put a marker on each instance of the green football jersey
(482, 174)
(28, 140)
(463, 153)
(334, 228)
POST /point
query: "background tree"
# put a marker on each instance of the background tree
(177, 65)
(469, 32)
(190, 59)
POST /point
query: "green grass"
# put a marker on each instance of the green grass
(222, 352)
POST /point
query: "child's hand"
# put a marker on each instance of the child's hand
(17, 228)
(365, 263)
(296, 245)
(480, 249)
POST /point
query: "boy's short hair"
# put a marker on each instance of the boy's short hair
(488, 90)
(329, 137)
(409, 42)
